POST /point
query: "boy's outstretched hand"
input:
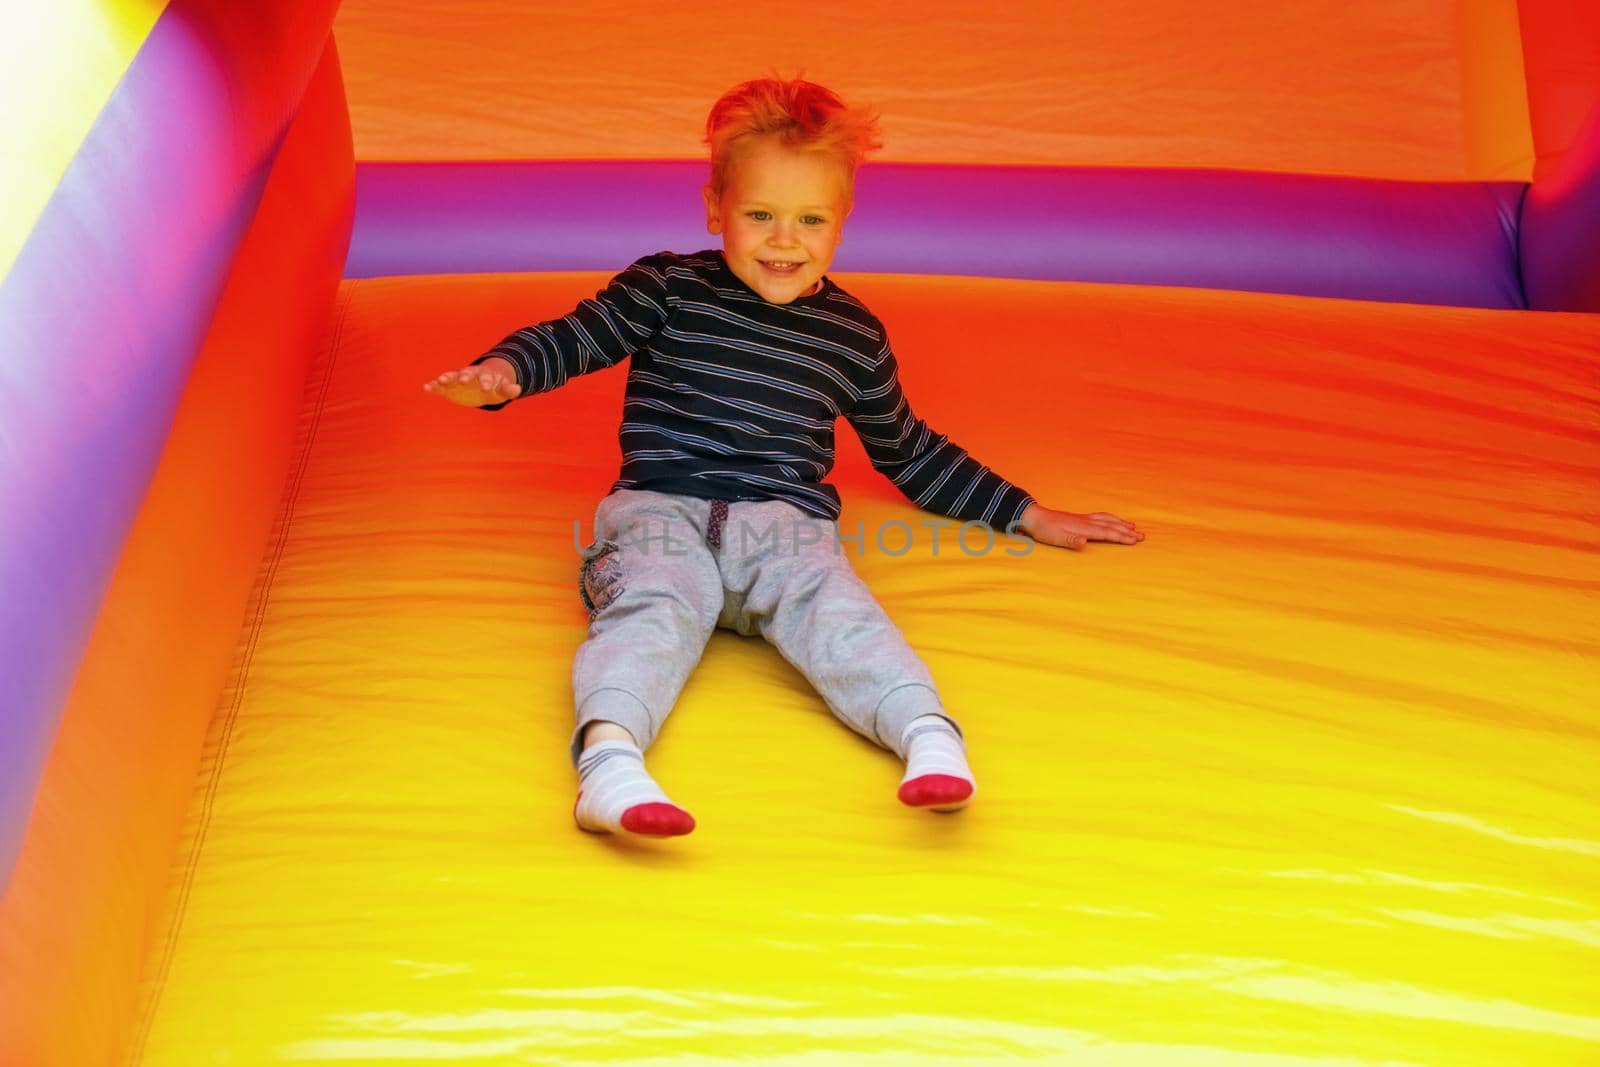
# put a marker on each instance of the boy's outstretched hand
(1067, 530)
(493, 381)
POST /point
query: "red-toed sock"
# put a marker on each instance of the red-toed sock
(937, 775)
(615, 793)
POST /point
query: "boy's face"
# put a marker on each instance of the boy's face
(781, 216)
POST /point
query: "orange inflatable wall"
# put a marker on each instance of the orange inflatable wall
(1561, 45)
(1378, 88)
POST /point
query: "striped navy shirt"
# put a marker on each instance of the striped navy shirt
(730, 397)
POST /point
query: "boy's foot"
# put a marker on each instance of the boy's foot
(615, 793)
(937, 775)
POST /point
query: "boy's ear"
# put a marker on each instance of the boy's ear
(713, 211)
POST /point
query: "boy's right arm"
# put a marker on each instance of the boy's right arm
(598, 333)
(490, 381)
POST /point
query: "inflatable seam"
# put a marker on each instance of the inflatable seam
(319, 382)
(1516, 246)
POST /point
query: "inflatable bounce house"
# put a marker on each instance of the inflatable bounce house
(1310, 291)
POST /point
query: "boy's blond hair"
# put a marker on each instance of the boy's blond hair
(801, 114)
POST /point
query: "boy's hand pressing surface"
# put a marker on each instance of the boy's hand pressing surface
(494, 381)
(1068, 530)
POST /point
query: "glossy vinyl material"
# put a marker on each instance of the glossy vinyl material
(46, 105)
(147, 218)
(1561, 62)
(1560, 233)
(1306, 778)
(1425, 90)
(77, 918)
(1412, 242)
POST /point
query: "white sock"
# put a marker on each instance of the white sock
(616, 793)
(937, 775)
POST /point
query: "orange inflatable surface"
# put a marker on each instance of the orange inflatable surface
(1404, 89)
(1306, 778)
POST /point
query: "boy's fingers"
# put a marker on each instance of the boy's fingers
(1126, 537)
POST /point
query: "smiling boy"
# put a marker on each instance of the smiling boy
(781, 216)
(742, 359)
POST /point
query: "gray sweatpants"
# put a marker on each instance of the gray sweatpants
(656, 585)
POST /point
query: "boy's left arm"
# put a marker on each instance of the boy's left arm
(937, 474)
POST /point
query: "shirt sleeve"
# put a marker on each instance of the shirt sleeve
(596, 334)
(930, 469)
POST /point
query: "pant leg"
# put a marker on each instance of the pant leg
(788, 579)
(653, 594)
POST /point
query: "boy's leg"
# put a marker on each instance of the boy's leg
(653, 596)
(791, 582)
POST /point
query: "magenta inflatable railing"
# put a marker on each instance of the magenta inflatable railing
(1470, 244)
(1417, 242)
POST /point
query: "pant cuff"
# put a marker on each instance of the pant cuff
(618, 706)
(899, 707)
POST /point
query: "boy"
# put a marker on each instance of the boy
(742, 359)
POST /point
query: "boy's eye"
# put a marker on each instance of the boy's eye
(763, 216)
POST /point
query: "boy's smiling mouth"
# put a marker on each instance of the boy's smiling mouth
(782, 266)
